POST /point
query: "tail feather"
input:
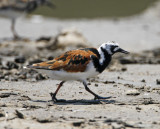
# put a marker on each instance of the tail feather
(35, 66)
(28, 67)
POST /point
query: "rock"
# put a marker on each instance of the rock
(143, 80)
(109, 82)
(147, 101)
(96, 85)
(138, 108)
(158, 81)
(2, 114)
(68, 37)
(19, 114)
(5, 95)
(124, 69)
(117, 126)
(132, 92)
(40, 77)
(20, 59)
(12, 65)
(2, 77)
(78, 124)
(6, 78)
(45, 120)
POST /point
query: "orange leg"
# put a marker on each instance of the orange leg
(53, 95)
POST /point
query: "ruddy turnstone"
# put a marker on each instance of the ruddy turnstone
(15, 8)
(79, 65)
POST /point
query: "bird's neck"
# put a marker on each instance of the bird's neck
(104, 60)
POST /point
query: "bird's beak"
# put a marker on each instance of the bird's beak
(50, 4)
(122, 51)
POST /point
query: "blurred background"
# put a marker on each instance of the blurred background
(133, 24)
(71, 9)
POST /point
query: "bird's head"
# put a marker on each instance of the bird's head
(112, 47)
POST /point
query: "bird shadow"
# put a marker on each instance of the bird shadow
(76, 102)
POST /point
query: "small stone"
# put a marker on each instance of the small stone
(96, 85)
(78, 124)
(19, 114)
(114, 85)
(12, 65)
(2, 77)
(89, 83)
(20, 59)
(117, 126)
(158, 81)
(40, 77)
(132, 92)
(138, 108)
(6, 78)
(143, 80)
(14, 79)
(124, 69)
(1, 114)
(109, 82)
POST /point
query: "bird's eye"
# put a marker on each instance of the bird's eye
(116, 48)
(113, 49)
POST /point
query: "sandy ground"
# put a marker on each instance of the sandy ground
(133, 82)
(134, 103)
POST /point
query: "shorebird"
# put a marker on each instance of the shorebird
(15, 8)
(79, 65)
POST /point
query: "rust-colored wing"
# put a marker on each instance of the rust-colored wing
(71, 61)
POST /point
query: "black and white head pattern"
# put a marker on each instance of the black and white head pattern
(111, 47)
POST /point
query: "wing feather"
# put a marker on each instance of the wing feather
(71, 61)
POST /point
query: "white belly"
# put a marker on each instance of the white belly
(63, 75)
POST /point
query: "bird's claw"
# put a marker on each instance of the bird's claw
(54, 99)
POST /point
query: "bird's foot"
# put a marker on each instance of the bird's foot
(99, 97)
(54, 99)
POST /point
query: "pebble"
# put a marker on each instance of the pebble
(12, 65)
(158, 81)
(124, 69)
(143, 80)
(20, 59)
(132, 92)
(96, 85)
(40, 77)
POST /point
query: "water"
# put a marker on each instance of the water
(95, 8)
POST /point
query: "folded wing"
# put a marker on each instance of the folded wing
(71, 61)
